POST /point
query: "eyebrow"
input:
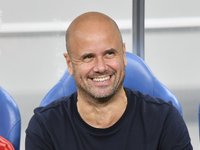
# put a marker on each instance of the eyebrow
(87, 54)
(110, 50)
(93, 54)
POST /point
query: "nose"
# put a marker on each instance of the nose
(100, 65)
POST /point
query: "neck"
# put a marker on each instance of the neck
(102, 114)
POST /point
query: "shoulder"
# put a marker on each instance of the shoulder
(159, 116)
(49, 116)
(146, 97)
(148, 104)
(57, 105)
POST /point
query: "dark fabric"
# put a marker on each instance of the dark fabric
(147, 124)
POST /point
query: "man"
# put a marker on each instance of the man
(102, 114)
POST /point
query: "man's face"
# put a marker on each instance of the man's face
(97, 61)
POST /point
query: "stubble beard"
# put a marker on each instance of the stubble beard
(89, 92)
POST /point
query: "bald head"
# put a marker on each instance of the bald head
(91, 21)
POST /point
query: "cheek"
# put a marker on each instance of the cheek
(115, 64)
(83, 69)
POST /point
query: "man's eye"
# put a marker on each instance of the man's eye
(87, 57)
(110, 54)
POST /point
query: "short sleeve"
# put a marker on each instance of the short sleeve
(37, 136)
(175, 134)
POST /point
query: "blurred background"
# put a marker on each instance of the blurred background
(32, 44)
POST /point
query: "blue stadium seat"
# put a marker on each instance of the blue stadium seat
(10, 120)
(138, 77)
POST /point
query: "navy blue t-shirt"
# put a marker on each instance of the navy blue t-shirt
(147, 124)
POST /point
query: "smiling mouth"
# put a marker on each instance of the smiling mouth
(101, 79)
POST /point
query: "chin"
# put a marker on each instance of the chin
(103, 97)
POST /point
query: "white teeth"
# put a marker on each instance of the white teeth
(101, 79)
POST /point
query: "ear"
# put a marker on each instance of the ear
(69, 63)
(124, 54)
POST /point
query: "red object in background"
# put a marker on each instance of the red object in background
(5, 144)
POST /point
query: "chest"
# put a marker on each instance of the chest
(131, 136)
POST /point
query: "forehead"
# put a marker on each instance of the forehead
(92, 31)
(95, 39)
